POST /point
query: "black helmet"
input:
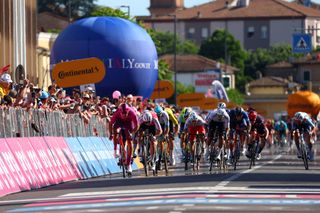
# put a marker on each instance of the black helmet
(238, 111)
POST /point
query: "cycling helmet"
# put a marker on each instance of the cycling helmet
(298, 116)
(158, 109)
(147, 117)
(221, 105)
(116, 94)
(238, 111)
(124, 107)
(193, 116)
(187, 112)
(44, 95)
(253, 115)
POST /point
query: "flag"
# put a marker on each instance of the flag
(4, 69)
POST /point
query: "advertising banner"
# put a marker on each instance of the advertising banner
(92, 159)
(7, 180)
(162, 89)
(65, 167)
(80, 157)
(13, 166)
(79, 72)
(25, 164)
(44, 153)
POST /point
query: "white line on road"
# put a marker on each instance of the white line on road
(236, 176)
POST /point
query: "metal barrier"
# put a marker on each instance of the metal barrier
(17, 122)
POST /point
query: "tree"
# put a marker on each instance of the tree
(214, 48)
(78, 8)
(107, 11)
(259, 59)
(166, 44)
(235, 96)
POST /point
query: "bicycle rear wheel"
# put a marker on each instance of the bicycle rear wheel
(253, 155)
(304, 154)
(236, 154)
(145, 160)
(122, 161)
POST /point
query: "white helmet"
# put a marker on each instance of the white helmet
(221, 105)
(147, 116)
(193, 116)
(298, 116)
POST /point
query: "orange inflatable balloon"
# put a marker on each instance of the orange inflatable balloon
(303, 101)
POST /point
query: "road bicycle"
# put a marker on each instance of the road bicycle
(163, 153)
(254, 148)
(303, 149)
(122, 163)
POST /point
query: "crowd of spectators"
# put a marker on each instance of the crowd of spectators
(85, 103)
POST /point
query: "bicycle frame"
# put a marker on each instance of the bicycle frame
(304, 149)
(123, 155)
(255, 145)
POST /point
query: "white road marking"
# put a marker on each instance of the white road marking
(236, 176)
(152, 207)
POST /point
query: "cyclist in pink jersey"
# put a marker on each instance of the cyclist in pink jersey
(124, 117)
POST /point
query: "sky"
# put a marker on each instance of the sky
(140, 7)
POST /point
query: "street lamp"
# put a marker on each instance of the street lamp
(128, 8)
(175, 55)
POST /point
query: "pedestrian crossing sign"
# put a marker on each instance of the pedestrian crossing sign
(301, 43)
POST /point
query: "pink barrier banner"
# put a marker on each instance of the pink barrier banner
(40, 172)
(44, 155)
(7, 182)
(64, 166)
(15, 170)
(71, 162)
(22, 159)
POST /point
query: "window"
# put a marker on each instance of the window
(204, 32)
(264, 32)
(250, 32)
(191, 32)
(226, 81)
(306, 76)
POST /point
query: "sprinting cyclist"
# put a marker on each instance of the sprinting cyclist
(124, 117)
(302, 122)
(195, 124)
(150, 123)
(184, 114)
(239, 122)
(258, 125)
(219, 120)
(173, 129)
(270, 126)
(164, 122)
(281, 131)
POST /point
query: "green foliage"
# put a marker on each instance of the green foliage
(57, 31)
(164, 42)
(235, 96)
(78, 8)
(107, 11)
(181, 88)
(163, 71)
(259, 59)
(214, 47)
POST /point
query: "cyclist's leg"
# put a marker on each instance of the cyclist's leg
(115, 131)
(153, 145)
(264, 133)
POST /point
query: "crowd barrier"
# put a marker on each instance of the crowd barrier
(36, 162)
(18, 122)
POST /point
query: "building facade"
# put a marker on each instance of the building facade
(200, 72)
(255, 23)
(18, 39)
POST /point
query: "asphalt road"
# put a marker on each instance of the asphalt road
(278, 183)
